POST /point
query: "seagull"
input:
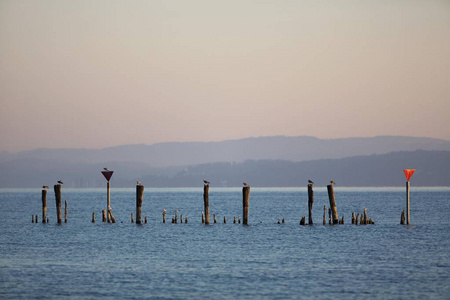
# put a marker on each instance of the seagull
(332, 182)
(106, 169)
(164, 210)
(310, 181)
(45, 187)
(138, 182)
(245, 184)
(206, 182)
(60, 182)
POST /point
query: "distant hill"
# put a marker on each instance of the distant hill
(433, 169)
(293, 149)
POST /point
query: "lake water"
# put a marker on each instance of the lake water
(264, 260)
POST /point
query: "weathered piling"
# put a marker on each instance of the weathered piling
(57, 189)
(324, 215)
(111, 216)
(342, 220)
(36, 219)
(104, 215)
(310, 203)
(214, 217)
(303, 221)
(329, 216)
(164, 215)
(206, 202)
(44, 205)
(186, 220)
(239, 220)
(65, 211)
(176, 216)
(93, 217)
(365, 216)
(224, 220)
(353, 217)
(245, 202)
(203, 217)
(333, 203)
(32, 218)
(108, 196)
(402, 219)
(357, 219)
(145, 220)
(234, 220)
(47, 220)
(139, 197)
(132, 218)
(283, 221)
(181, 218)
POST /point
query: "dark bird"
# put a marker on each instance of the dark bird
(45, 187)
(60, 182)
(106, 169)
(206, 182)
(245, 184)
(332, 182)
(310, 181)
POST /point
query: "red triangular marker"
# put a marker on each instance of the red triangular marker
(409, 173)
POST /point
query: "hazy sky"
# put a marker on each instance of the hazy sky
(95, 74)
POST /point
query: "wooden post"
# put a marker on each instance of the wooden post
(176, 216)
(283, 221)
(357, 219)
(333, 204)
(139, 196)
(47, 220)
(303, 221)
(104, 215)
(310, 203)
(239, 220)
(324, 215)
(186, 220)
(36, 219)
(181, 218)
(132, 219)
(206, 202)
(234, 220)
(32, 218)
(224, 220)
(145, 220)
(44, 205)
(353, 217)
(214, 217)
(402, 219)
(111, 216)
(342, 220)
(203, 217)
(329, 216)
(57, 189)
(65, 211)
(245, 202)
(365, 216)
(407, 203)
(93, 217)
(164, 215)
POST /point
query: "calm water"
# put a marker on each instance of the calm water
(264, 260)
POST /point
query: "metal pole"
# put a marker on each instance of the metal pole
(108, 197)
(407, 202)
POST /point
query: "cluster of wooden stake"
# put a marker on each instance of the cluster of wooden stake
(108, 216)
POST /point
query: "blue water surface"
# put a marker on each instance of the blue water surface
(264, 260)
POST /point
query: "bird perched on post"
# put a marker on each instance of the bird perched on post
(60, 182)
(45, 187)
(138, 182)
(310, 181)
(106, 169)
(332, 182)
(245, 184)
(206, 182)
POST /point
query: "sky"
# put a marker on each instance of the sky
(95, 74)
